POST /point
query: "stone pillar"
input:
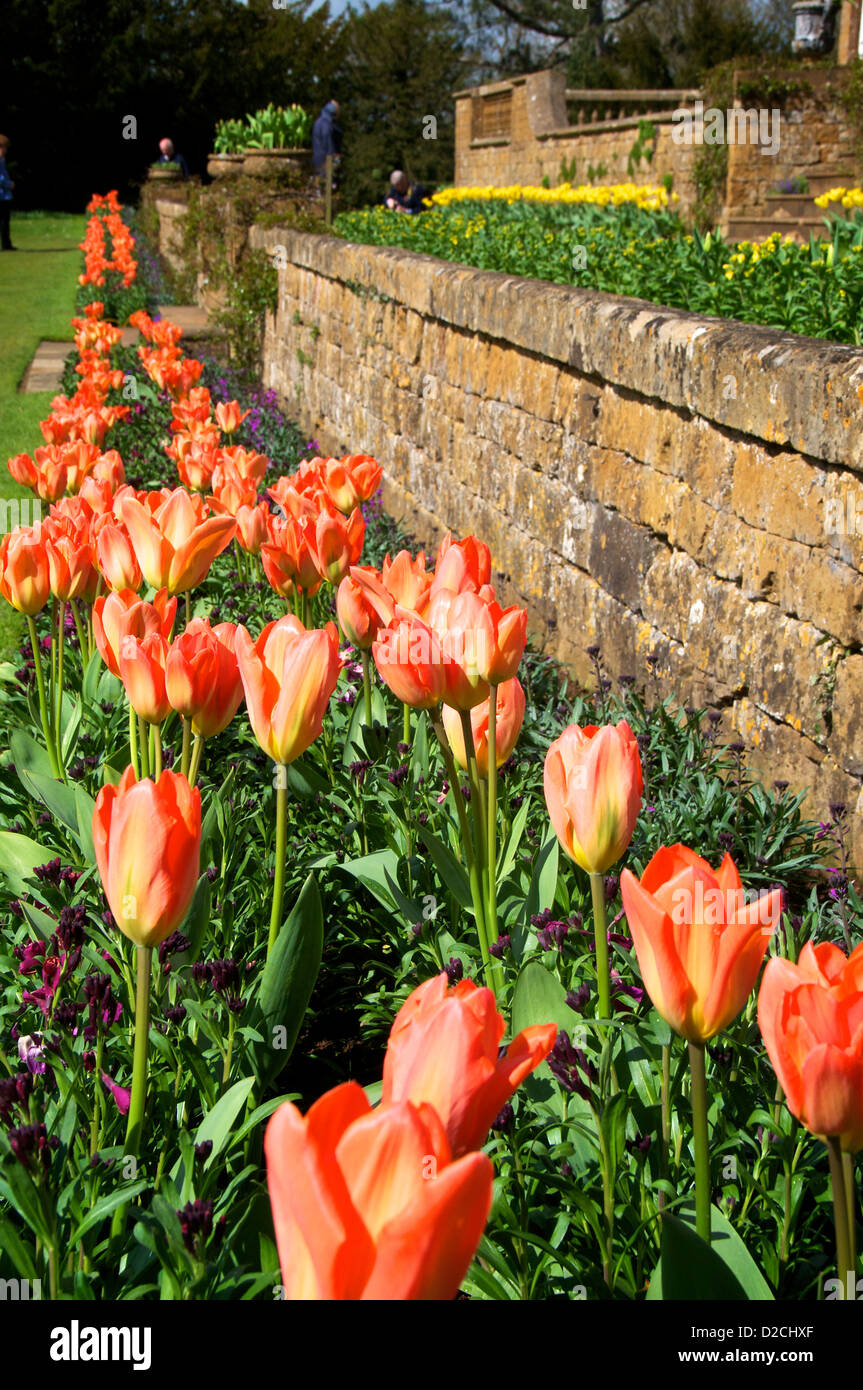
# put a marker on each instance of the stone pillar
(545, 94)
(849, 32)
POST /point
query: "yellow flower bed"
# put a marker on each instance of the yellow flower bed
(848, 197)
(651, 198)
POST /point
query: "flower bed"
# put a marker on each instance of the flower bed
(634, 245)
(294, 840)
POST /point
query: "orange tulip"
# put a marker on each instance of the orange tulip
(407, 580)
(249, 465)
(811, 1019)
(366, 1203)
(122, 613)
(174, 544)
(593, 787)
(287, 559)
(443, 1051)
(71, 562)
(699, 943)
(359, 620)
(288, 676)
(463, 625)
(24, 470)
(252, 530)
(336, 543)
(230, 490)
(142, 662)
(510, 717)
(461, 565)
(202, 678)
(147, 838)
(25, 580)
(229, 415)
(116, 557)
(409, 660)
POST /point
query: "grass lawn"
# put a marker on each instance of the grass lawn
(37, 300)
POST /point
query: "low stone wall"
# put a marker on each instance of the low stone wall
(535, 138)
(649, 480)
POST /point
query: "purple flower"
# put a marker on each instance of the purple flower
(121, 1095)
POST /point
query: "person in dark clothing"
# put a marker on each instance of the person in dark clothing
(168, 155)
(6, 188)
(402, 195)
(326, 138)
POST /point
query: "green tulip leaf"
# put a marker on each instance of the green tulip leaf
(289, 977)
(690, 1269)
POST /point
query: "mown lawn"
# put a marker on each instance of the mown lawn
(37, 300)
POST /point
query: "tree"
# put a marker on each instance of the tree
(403, 62)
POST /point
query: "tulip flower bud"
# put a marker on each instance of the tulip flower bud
(147, 839)
(593, 787)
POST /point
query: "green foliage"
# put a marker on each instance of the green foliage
(230, 137)
(643, 147)
(814, 289)
(278, 128)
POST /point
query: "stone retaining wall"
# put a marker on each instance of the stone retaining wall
(647, 479)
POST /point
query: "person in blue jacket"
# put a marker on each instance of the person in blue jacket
(6, 189)
(326, 138)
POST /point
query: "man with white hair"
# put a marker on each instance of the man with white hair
(168, 155)
(402, 195)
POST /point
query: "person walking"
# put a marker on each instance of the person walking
(326, 139)
(6, 190)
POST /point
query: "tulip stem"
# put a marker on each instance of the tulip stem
(367, 687)
(469, 851)
(133, 743)
(491, 828)
(281, 841)
(187, 745)
(844, 1267)
(666, 1119)
(600, 936)
(137, 1105)
(848, 1172)
(700, 1137)
(144, 741)
(40, 687)
(58, 718)
(188, 598)
(82, 639)
(197, 750)
(406, 724)
(157, 751)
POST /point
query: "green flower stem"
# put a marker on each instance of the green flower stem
(96, 1121)
(187, 745)
(491, 832)
(58, 711)
(197, 750)
(188, 598)
(156, 734)
(144, 739)
(281, 841)
(840, 1217)
(467, 840)
(367, 686)
(406, 724)
(600, 936)
(699, 1130)
(848, 1172)
(82, 638)
(666, 1119)
(133, 743)
(43, 704)
(137, 1106)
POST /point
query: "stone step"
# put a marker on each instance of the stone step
(46, 368)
